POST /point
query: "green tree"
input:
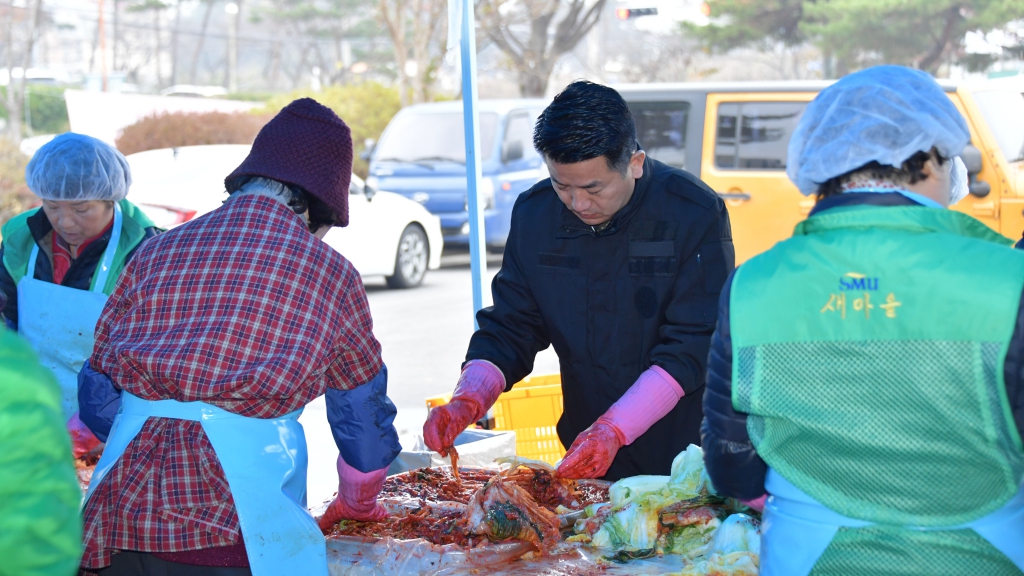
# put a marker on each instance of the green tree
(919, 33)
(47, 112)
(737, 23)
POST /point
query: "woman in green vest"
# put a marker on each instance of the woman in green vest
(866, 374)
(61, 261)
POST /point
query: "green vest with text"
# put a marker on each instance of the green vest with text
(868, 351)
(18, 243)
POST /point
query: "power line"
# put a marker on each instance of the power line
(195, 33)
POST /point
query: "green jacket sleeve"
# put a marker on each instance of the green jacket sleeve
(40, 524)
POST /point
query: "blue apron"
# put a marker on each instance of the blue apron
(796, 529)
(60, 322)
(264, 461)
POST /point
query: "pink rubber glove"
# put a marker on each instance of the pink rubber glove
(756, 503)
(357, 496)
(654, 394)
(83, 440)
(479, 387)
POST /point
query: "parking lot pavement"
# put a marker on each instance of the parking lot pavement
(424, 333)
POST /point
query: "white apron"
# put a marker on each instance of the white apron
(265, 464)
(60, 322)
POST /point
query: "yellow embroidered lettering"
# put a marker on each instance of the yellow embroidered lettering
(836, 303)
(890, 305)
(864, 304)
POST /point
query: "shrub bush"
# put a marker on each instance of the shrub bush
(190, 129)
(47, 109)
(15, 197)
(366, 107)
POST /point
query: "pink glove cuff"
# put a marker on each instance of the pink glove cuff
(654, 394)
(757, 503)
(357, 487)
(481, 382)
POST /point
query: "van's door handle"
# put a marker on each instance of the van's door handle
(985, 209)
(733, 195)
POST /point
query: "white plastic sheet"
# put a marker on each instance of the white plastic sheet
(476, 448)
(392, 558)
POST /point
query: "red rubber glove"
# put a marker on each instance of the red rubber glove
(357, 496)
(654, 394)
(478, 389)
(82, 439)
(592, 452)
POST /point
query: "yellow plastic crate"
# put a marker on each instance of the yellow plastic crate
(532, 409)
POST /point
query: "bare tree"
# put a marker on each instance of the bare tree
(155, 8)
(427, 52)
(272, 64)
(117, 33)
(199, 43)
(159, 49)
(174, 43)
(394, 14)
(415, 27)
(23, 22)
(644, 56)
(534, 34)
(312, 34)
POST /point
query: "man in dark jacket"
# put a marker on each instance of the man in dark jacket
(616, 261)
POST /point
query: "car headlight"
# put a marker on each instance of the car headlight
(485, 193)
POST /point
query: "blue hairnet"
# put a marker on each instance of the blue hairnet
(78, 167)
(884, 114)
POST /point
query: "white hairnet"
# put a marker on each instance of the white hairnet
(78, 167)
(884, 114)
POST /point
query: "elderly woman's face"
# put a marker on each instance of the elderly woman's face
(77, 221)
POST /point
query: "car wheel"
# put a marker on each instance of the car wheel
(411, 259)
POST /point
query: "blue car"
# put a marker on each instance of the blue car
(422, 156)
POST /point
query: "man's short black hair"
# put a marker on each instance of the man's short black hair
(584, 121)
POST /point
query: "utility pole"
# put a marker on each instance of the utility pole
(117, 12)
(103, 48)
(232, 10)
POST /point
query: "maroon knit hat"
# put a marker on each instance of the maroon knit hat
(305, 145)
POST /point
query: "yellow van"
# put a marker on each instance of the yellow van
(735, 137)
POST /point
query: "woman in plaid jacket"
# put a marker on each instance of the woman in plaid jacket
(216, 336)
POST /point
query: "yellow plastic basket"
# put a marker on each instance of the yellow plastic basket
(532, 409)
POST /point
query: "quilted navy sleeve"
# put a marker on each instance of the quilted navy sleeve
(98, 401)
(362, 422)
(731, 461)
